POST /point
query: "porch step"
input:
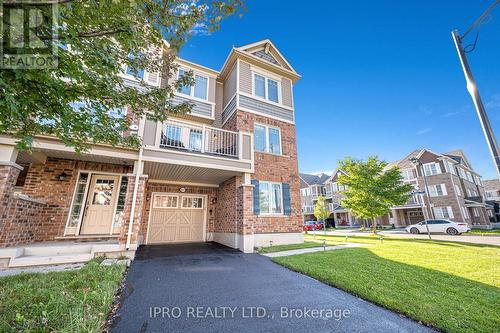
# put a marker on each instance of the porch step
(38, 260)
(57, 250)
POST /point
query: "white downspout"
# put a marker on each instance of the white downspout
(138, 173)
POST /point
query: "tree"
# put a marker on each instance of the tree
(94, 40)
(371, 189)
(321, 210)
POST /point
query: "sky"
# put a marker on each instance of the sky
(378, 77)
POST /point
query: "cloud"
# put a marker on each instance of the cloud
(424, 131)
(493, 102)
(424, 109)
(452, 113)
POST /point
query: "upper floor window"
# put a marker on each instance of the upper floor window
(450, 167)
(408, 174)
(437, 190)
(133, 71)
(267, 139)
(432, 169)
(266, 88)
(198, 90)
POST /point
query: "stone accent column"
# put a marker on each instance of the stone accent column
(139, 202)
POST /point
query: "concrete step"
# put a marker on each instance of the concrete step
(56, 250)
(38, 260)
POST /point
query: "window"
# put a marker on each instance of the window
(431, 169)
(132, 71)
(164, 201)
(465, 212)
(266, 88)
(335, 187)
(443, 212)
(78, 200)
(267, 139)
(408, 174)
(120, 206)
(103, 192)
(457, 189)
(270, 198)
(437, 190)
(475, 211)
(192, 202)
(198, 90)
(450, 167)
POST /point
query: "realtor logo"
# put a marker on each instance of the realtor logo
(27, 34)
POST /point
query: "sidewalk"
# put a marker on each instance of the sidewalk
(311, 250)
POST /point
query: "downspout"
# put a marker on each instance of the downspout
(138, 173)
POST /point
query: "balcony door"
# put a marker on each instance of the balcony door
(100, 205)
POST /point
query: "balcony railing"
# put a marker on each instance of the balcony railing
(308, 209)
(200, 139)
(478, 199)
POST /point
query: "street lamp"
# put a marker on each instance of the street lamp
(417, 164)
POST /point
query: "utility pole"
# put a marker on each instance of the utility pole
(474, 92)
(418, 165)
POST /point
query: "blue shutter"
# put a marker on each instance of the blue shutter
(256, 197)
(287, 205)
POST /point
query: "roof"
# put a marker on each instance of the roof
(405, 162)
(310, 179)
(491, 184)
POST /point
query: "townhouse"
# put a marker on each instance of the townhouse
(311, 187)
(226, 172)
(492, 193)
(455, 191)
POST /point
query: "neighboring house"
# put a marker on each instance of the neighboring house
(456, 192)
(492, 193)
(226, 172)
(311, 187)
(455, 189)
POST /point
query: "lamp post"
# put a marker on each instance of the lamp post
(418, 163)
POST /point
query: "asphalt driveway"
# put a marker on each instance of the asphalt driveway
(211, 288)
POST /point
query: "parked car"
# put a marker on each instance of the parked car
(444, 226)
(319, 225)
(310, 226)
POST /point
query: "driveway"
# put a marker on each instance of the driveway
(210, 288)
(401, 233)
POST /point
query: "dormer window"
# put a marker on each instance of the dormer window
(266, 88)
(198, 90)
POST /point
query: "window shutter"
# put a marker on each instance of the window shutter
(287, 206)
(256, 197)
(152, 78)
(443, 187)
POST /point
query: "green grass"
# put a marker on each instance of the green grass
(71, 301)
(452, 286)
(482, 232)
(305, 245)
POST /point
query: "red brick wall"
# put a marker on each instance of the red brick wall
(268, 167)
(42, 183)
(226, 215)
(169, 188)
(138, 214)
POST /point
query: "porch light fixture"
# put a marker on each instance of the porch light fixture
(62, 176)
(182, 189)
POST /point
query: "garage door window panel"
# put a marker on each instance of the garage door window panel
(192, 202)
(165, 201)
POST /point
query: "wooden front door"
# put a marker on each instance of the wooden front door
(100, 205)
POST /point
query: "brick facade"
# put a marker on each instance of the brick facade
(269, 167)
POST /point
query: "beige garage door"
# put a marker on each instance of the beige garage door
(176, 218)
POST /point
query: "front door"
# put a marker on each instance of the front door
(100, 205)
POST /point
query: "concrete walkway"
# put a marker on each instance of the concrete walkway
(311, 250)
(40, 269)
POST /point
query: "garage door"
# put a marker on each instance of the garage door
(176, 218)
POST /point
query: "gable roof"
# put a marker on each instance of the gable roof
(335, 174)
(459, 156)
(265, 49)
(313, 179)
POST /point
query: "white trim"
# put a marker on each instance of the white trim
(283, 106)
(266, 88)
(167, 195)
(270, 214)
(265, 41)
(196, 67)
(267, 127)
(193, 196)
(73, 201)
(174, 182)
(229, 102)
(191, 95)
(116, 204)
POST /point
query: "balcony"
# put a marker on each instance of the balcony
(307, 210)
(199, 152)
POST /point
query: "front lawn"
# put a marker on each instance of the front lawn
(452, 286)
(71, 301)
(493, 232)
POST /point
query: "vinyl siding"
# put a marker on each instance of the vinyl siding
(266, 108)
(245, 78)
(230, 86)
(219, 100)
(199, 108)
(286, 92)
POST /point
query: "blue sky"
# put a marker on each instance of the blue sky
(378, 77)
